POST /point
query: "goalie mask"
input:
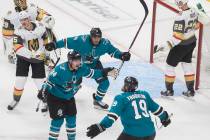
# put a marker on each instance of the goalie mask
(20, 4)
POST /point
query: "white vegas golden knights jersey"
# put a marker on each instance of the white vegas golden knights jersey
(11, 20)
(185, 25)
(29, 44)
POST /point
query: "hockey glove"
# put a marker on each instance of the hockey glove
(50, 46)
(89, 59)
(94, 130)
(170, 44)
(125, 56)
(110, 71)
(158, 48)
(48, 22)
(42, 95)
(167, 120)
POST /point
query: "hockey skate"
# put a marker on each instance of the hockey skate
(99, 104)
(12, 105)
(188, 93)
(168, 94)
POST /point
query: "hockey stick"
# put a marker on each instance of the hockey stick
(44, 88)
(159, 128)
(134, 39)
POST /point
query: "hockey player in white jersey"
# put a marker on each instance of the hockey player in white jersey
(181, 46)
(11, 22)
(30, 44)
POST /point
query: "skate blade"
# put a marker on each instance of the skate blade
(190, 98)
(168, 97)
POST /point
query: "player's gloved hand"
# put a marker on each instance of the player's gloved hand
(94, 130)
(42, 95)
(110, 71)
(48, 22)
(39, 55)
(158, 48)
(50, 64)
(50, 46)
(89, 59)
(125, 56)
(170, 44)
(167, 120)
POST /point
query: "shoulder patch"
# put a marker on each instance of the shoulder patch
(114, 103)
(62, 67)
(84, 38)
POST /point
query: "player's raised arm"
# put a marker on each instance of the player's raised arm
(116, 53)
(45, 18)
(72, 42)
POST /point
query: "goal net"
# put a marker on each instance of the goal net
(164, 13)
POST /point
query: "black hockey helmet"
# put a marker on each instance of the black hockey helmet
(20, 4)
(96, 32)
(130, 84)
(73, 55)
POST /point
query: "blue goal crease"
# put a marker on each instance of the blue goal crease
(150, 79)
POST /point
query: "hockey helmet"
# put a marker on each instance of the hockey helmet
(23, 15)
(96, 32)
(130, 84)
(73, 55)
(22, 4)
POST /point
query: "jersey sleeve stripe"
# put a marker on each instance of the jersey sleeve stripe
(91, 73)
(158, 111)
(113, 116)
(17, 47)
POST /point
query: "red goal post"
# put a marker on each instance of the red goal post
(200, 38)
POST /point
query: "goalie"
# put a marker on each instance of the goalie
(181, 46)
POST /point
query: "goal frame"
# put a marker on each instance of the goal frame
(200, 38)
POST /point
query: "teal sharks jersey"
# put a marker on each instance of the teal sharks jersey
(134, 110)
(83, 45)
(64, 83)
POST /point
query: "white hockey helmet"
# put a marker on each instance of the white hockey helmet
(23, 15)
(181, 1)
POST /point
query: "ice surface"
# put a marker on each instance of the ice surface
(191, 119)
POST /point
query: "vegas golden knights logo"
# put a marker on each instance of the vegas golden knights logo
(33, 45)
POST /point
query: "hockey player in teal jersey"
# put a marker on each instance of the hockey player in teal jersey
(133, 107)
(59, 91)
(92, 47)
